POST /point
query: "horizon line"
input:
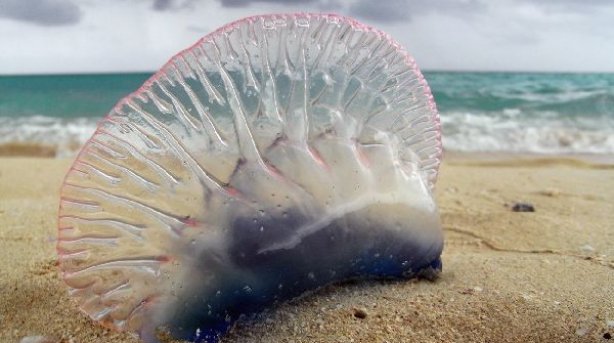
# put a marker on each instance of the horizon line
(424, 70)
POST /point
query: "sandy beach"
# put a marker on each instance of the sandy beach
(543, 276)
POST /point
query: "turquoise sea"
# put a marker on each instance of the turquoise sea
(480, 111)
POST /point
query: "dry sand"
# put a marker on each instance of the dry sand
(546, 276)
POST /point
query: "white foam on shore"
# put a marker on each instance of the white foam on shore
(65, 135)
(511, 131)
(507, 131)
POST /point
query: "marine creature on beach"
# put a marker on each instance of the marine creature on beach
(278, 154)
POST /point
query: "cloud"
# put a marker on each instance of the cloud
(572, 3)
(385, 11)
(164, 5)
(547, 35)
(391, 10)
(244, 3)
(404, 10)
(568, 7)
(161, 5)
(41, 12)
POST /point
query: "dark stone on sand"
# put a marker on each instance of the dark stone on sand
(607, 335)
(523, 207)
(360, 313)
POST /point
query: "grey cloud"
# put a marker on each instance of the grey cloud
(41, 12)
(198, 29)
(161, 5)
(571, 6)
(391, 10)
(244, 3)
(165, 5)
(403, 10)
(572, 3)
(375, 10)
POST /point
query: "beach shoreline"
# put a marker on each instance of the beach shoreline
(508, 276)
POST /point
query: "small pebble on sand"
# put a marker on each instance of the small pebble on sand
(523, 207)
(360, 313)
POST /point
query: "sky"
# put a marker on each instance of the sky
(85, 36)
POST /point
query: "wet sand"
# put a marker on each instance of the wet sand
(539, 276)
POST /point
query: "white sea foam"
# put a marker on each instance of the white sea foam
(63, 135)
(510, 130)
(513, 131)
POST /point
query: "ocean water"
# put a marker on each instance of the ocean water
(59, 111)
(545, 113)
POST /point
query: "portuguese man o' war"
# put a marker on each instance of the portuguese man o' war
(279, 154)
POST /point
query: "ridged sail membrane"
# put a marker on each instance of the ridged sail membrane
(278, 154)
